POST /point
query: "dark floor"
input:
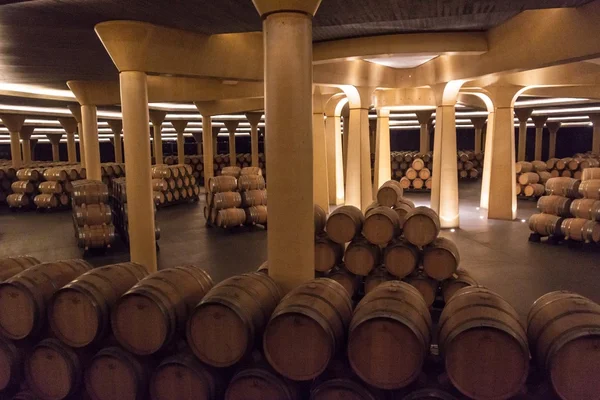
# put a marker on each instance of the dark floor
(496, 253)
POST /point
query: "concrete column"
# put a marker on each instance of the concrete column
(383, 169)
(134, 106)
(424, 118)
(208, 149)
(76, 111)
(89, 122)
(33, 143)
(117, 127)
(523, 115)
(372, 135)
(288, 109)
(180, 126)
(478, 123)
(25, 135)
(539, 122)
(595, 118)
(158, 117)
(55, 141)
(346, 132)
(335, 162)
(198, 138)
(14, 124)
(254, 119)
(70, 127)
(320, 179)
(231, 128)
(487, 160)
(215, 134)
(359, 192)
(553, 128)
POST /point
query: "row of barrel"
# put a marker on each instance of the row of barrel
(172, 184)
(570, 209)
(237, 197)
(116, 332)
(470, 164)
(92, 215)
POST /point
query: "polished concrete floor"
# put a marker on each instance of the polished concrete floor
(496, 253)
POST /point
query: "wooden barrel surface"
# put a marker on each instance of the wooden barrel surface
(18, 200)
(483, 344)
(381, 225)
(534, 190)
(528, 178)
(153, 313)
(47, 200)
(401, 258)
(389, 193)
(555, 205)
(425, 285)
(96, 236)
(225, 200)
(390, 323)
(92, 214)
(561, 186)
(12, 357)
(457, 281)
(232, 171)
(361, 256)
(25, 187)
(440, 259)
(51, 187)
(586, 209)
(347, 279)
(11, 266)
(581, 230)
(546, 224)
(522, 167)
(259, 381)
(251, 171)
(222, 184)
(421, 226)
(114, 374)
(251, 182)
(254, 198)
(230, 217)
(590, 173)
(590, 189)
(429, 394)
(225, 325)
(539, 166)
(80, 311)
(344, 224)
(307, 328)
(89, 192)
(327, 253)
(342, 388)
(25, 296)
(256, 215)
(320, 218)
(564, 335)
(377, 277)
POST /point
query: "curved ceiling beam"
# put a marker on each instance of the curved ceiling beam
(233, 106)
(400, 98)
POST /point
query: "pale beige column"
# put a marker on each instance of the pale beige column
(346, 132)
(117, 127)
(553, 128)
(523, 114)
(231, 128)
(487, 159)
(89, 122)
(134, 106)
(254, 119)
(76, 111)
(539, 122)
(70, 127)
(55, 141)
(359, 191)
(372, 135)
(383, 169)
(180, 126)
(208, 149)
(25, 135)
(335, 162)
(288, 109)
(320, 178)
(198, 138)
(33, 143)
(158, 117)
(595, 118)
(478, 123)
(14, 124)
(424, 118)
(215, 134)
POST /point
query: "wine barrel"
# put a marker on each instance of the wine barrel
(12, 357)
(395, 314)
(251, 182)
(539, 166)
(342, 388)
(522, 167)
(25, 187)
(182, 377)
(421, 226)
(404, 183)
(586, 209)
(24, 297)
(555, 205)
(320, 218)
(562, 163)
(222, 184)
(564, 335)
(429, 394)
(418, 164)
(589, 163)
(424, 174)
(58, 174)
(567, 174)
(28, 174)
(401, 258)
(18, 200)
(256, 215)
(457, 281)
(440, 259)
(258, 381)
(46, 201)
(544, 176)
(344, 224)
(534, 190)
(551, 163)
(230, 217)
(153, 313)
(361, 256)
(389, 193)
(251, 171)
(425, 285)
(89, 192)
(159, 185)
(590, 189)
(580, 230)
(115, 374)
(53, 370)
(411, 174)
(80, 311)
(327, 253)
(96, 236)
(545, 224)
(92, 214)
(50, 187)
(162, 172)
(573, 165)
(254, 198)
(347, 279)
(377, 277)
(483, 345)
(231, 171)
(590, 174)
(225, 325)
(566, 187)
(25, 395)
(307, 328)
(225, 200)
(381, 225)
(10, 266)
(402, 209)
(528, 178)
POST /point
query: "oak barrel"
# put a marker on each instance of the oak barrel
(153, 313)
(522, 167)
(440, 259)
(528, 178)
(581, 230)
(391, 323)
(460, 279)
(222, 184)
(230, 319)
(590, 189)
(251, 182)
(421, 226)
(429, 394)
(327, 253)
(425, 285)
(92, 214)
(590, 173)
(80, 311)
(25, 296)
(251, 171)
(307, 328)
(381, 225)
(376, 277)
(347, 279)
(12, 357)
(564, 335)
(47, 200)
(320, 218)
(534, 190)
(224, 200)
(25, 187)
(483, 344)
(89, 192)
(545, 224)
(555, 205)
(389, 193)
(11, 266)
(18, 200)
(96, 236)
(401, 258)
(51, 187)
(344, 224)
(340, 382)
(361, 256)
(567, 187)
(231, 171)
(256, 215)
(586, 208)
(254, 198)
(230, 217)
(258, 381)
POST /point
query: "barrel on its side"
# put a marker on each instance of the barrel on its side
(441, 259)
(545, 224)
(459, 280)
(327, 253)
(381, 225)
(10, 266)
(581, 230)
(590, 189)
(561, 186)
(422, 226)
(258, 381)
(344, 224)
(347, 279)
(361, 256)
(389, 193)
(555, 205)
(586, 209)
(401, 258)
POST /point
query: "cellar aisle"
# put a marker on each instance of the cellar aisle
(496, 253)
